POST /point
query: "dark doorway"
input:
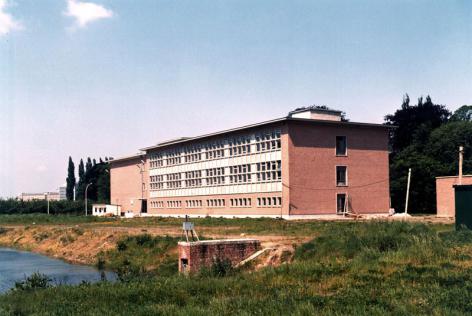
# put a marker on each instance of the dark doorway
(341, 203)
(143, 206)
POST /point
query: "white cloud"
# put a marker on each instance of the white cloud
(7, 23)
(86, 12)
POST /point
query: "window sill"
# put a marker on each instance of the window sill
(341, 155)
(341, 185)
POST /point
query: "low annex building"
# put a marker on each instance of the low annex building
(309, 163)
(445, 198)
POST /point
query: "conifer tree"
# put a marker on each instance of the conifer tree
(70, 180)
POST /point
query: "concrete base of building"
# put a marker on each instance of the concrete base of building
(327, 217)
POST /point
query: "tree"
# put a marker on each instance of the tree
(464, 113)
(411, 142)
(88, 164)
(444, 145)
(70, 180)
(81, 185)
(415, 123)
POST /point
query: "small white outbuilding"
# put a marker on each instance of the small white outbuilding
(106, 210)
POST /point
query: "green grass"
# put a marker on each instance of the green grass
(38, 218)
(357, 268)
(139, 255)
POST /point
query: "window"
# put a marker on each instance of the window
(174, 180)
(268, 141)
(157, 182)
(216, 203)
(275, 201)
(341, 203)
(215, 150)
(215, 176)
(341, 146)
(173, 158)
(239, 146)
(193, 178)
(341, 175)
(269, 171)
(192, 154)
(242, 202)
(240, 174)
(193, 203)
(156, 161)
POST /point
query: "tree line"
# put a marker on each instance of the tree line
(96, 173)
(426, 138)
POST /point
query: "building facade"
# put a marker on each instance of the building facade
(51, 196)
(445, 198)
(309, 163)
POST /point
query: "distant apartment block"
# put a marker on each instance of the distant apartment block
(308, 163)
(62, 193)
(51, 196)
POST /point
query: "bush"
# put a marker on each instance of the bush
(13, 206)
(34, 281)
(144, 254)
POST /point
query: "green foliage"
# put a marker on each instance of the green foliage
(70, 180)
(13, 206)
(140, 255)
(356, 268)
(413, 121)
(99, 175)
(53, 219)
(464, 113)
(80, 191)
(33, 282)
(427, 143)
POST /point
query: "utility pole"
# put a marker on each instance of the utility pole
(461, 161)
(407, 191)
(86, 188)
(141, 171)
(47, 200)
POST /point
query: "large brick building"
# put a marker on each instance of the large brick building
(308, 163)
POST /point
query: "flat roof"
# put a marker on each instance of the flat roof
(450, 177)
(278, 120)
(135, 156)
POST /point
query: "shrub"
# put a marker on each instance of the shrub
(121, 245)
(34, 281)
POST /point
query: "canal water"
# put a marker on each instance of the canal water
(15, 265)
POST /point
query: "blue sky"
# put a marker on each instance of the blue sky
(104, 78)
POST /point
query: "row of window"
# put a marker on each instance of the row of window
(243, 202)
(269, 201)
(265, 141)
(216, 203)
(264, 171)
(213, 203)
(193, 203)
(157, 204)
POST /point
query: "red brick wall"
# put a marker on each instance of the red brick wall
(204, 253)
(125, 184)
(227, 210)
(312, 168)
(445, 201)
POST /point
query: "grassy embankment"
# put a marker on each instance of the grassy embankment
(350, 268)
